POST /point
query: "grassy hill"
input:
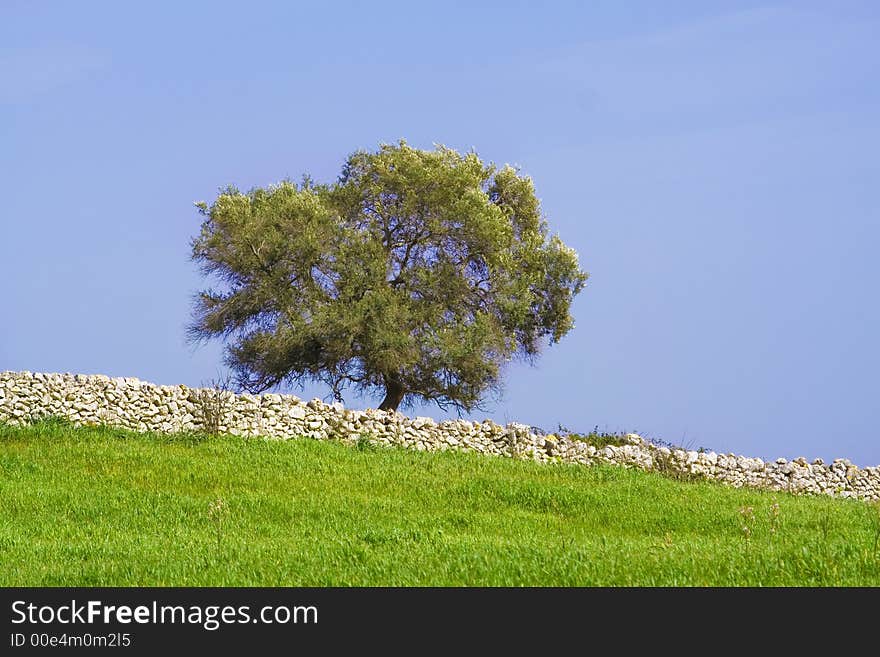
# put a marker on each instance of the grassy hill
(98, 506)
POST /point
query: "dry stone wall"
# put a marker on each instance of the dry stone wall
(133, 404)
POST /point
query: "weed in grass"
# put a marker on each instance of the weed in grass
(825, 527)
(747, 514)
(46, 423)
(875, 505)
(664, 545)
(773, 516)
(216, 511)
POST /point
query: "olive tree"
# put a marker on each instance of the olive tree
(416, 273)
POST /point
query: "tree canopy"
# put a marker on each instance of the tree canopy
(416, 273)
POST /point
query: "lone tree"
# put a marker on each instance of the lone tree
(417, 272)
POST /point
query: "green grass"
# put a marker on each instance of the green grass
(98, 506)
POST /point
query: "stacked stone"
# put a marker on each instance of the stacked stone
(132, 404)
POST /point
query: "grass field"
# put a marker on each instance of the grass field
(99, 506)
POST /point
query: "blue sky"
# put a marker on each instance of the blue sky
(714, 164)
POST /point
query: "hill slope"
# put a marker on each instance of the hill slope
(97, 506)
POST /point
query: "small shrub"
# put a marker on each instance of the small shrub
(213, 403)
(365, 442)
(668, 466)
(595, 437)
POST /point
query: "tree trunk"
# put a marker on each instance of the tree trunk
(393, 395)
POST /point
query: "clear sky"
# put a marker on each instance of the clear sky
(715, 165)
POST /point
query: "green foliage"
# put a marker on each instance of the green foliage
(420, 273)
(81, 507)
(595, 437)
